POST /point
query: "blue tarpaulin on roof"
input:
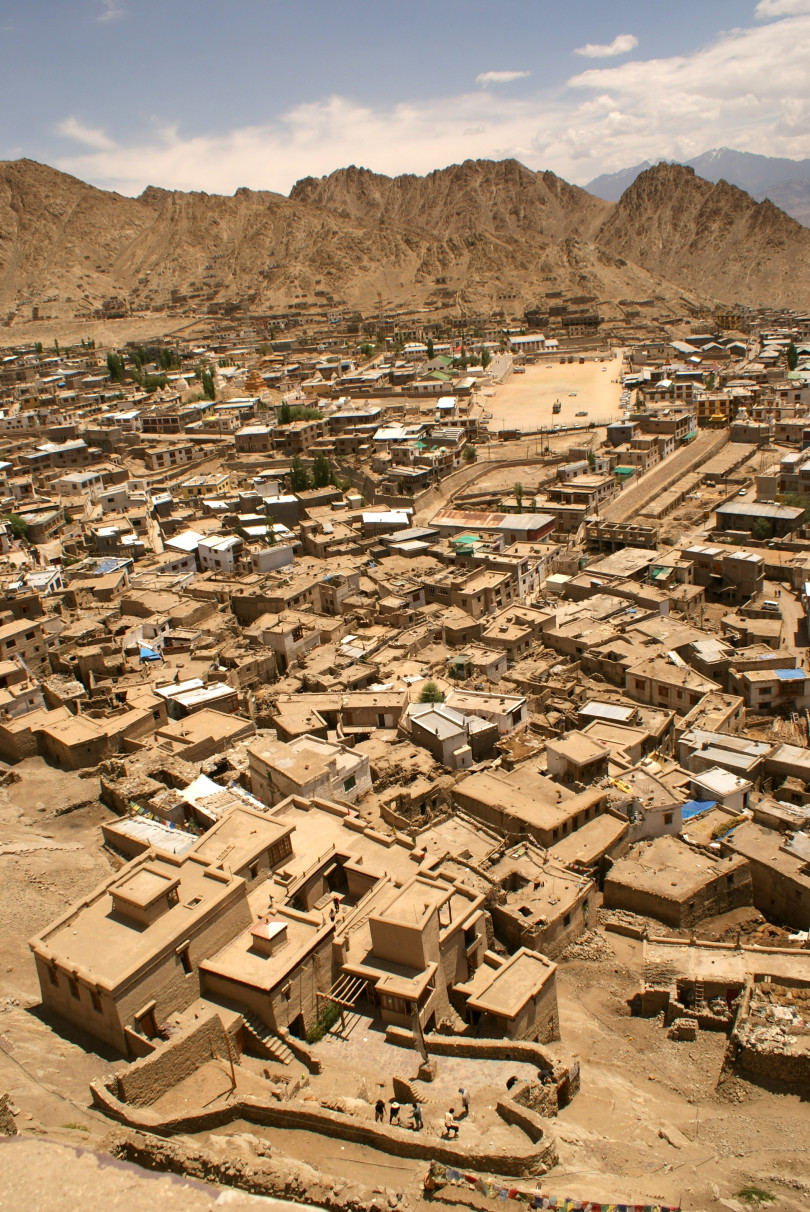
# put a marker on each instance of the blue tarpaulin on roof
(149, 654)
(695, 807)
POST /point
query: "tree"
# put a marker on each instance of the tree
(209, 389)
(486, 357)
(430, 693)
(762, 529)
(284, 414)
(711, 379)
(470, 454)
(18, 527)
(38, 348)
(115, 367)
(518, 491)
(271, 533)
(430, 349)
(322, 473)
(591, 460)
(367, 349)
(792, 356)
(299, 480)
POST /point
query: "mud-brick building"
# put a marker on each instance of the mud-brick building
(675, 884)
(121, 961)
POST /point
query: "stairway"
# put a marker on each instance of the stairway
(700, 995)
(259, 1035)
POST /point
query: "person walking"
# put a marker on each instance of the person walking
(465, 1101)
(394, 1116)
(450, 1124)
(379, 1111)
(416, 1120)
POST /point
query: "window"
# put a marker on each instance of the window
(254, 871)
(567, 920)
(73, 985)
(96, 1000)
(350, 783)
(53, 977)
(667, 818)
(185, 961)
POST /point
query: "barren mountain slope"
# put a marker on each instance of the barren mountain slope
(713, 239)
(480, 234)
(485, 233)
(503, 198)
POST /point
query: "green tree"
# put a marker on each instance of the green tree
(153, 383)
(209, 389)
(470, 454)
(430, 349)
(486, 357)
(322, 473)
(367, 349)
(430, 693)
(591, 460)
(115, 367)
(711, 379)
(18, 526)
(38, 348)
(518, 491)
(762, 529)
(792, 356)
(798, 502)
(299, 480)
(271, 533)
(284, 414)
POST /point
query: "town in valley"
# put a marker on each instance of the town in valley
(405, 749)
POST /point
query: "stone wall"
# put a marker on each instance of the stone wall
(520, 1161)
(144, 1081)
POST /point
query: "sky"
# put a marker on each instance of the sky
(218, 94)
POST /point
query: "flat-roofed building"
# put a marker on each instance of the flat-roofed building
(668, 880)
(307, 766)
(545, 815)
(118, 963)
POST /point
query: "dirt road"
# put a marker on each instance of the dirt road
(631, 502)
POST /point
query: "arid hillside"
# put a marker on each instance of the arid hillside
(479, 235)
(713, 239)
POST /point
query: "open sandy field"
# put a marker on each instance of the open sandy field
(525, 401)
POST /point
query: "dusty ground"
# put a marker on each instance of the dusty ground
(525, 401)
(636, 1083)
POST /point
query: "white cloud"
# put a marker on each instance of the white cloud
(93, 136)
(749, 89)
(111, 10)
(620, 45)
(485, 78)
(782, 8)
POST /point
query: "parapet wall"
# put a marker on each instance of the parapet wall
(536, 1157)
(145, 1080)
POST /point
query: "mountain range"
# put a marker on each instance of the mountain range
(480, 236)
(785, 182)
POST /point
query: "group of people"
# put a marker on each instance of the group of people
(451, 1120)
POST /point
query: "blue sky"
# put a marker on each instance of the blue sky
(192, 94)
